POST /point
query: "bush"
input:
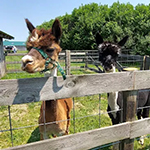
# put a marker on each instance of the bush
(112, 22)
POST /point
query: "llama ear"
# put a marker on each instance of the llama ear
(99, 39)
(29, 25)
(123, 41)
(115, 38)
(56, 29)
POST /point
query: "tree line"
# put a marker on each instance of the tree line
(112, 22)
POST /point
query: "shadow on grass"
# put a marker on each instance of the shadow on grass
(35, 136)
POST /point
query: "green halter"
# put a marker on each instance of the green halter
(55, 63)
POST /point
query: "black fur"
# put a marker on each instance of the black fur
(143, 100)
(108, 54)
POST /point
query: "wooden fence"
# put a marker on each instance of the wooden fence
(32, 90)
(78, 56)
(2, 59)
(19, 91)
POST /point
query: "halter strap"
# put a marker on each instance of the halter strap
(55, 63)
(41, 52)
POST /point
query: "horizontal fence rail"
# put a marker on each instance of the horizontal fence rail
(16, 54)
(22, 91)
(18, 91)
(92, 138)
(78, 56)
(39, 89)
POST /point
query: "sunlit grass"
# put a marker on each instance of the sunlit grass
(27, 115)
(21, 75)
(87, 113)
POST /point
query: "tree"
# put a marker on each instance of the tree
(113, 23)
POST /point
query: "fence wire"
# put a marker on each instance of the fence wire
(79, 65)
(80, 62)
(78, 121)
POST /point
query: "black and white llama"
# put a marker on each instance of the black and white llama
(108, 55)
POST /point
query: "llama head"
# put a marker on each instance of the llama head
(109, 52)
(40, 42)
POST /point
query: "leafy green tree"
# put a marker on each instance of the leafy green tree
(113, 23)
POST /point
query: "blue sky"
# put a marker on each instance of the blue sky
(13, 12)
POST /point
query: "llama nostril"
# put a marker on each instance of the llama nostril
(27, 60)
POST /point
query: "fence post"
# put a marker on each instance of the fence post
(67, 62)
(2, 59)
(129, 114)
(146, 63)
(86, 60)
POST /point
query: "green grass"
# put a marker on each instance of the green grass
(21, 75)
(27, 115)
(13, 58)
(146, 145)
(22, 51)
(86, 112)
(24, 115)
(21, 115)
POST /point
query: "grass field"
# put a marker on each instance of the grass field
(86, 112)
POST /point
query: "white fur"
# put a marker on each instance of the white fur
(54, 72)
(141, 141)
(34, 38)
(100, 46)
(25, 58)
(114, 69)
(112, 99)
(114, 45)
(107, 44)
(51, 73)
(119, 51)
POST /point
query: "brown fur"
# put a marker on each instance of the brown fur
(44, 40)
(56, 113)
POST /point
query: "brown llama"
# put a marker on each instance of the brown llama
(44, 48)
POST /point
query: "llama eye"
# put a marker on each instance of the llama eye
(49, 50)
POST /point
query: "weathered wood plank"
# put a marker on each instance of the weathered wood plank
(13, 62)
(131, 57)
(14, 71)
(140, 127)
(40, 89)
(81, 141)
(142, 79)
(16, 54)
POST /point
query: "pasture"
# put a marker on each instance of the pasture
(89, 112)
(86, 114)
